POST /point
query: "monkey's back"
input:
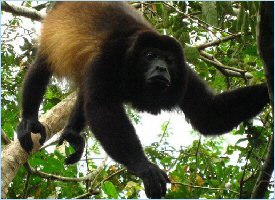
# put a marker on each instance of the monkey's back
(73, 33)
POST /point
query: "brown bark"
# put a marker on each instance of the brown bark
(14, 156)
(22, 11)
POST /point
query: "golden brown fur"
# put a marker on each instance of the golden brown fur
(74, 32)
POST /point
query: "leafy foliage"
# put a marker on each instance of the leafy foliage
(208, 167)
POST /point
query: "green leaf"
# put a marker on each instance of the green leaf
(166, 160)
(224, 7)
(240, 18)
(245, 25)
(109, 189)
(241, 140)
(209, 13)
(192, 54)
(159, 8)
(132, 188)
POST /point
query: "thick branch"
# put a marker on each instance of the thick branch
(14, 156)
(263, 179)
(22, 11)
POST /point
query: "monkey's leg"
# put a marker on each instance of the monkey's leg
(213, 114)
(34, 87)
(73, 129)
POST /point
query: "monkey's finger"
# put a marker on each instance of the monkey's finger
(61, 140)
(147, 187)
(78, 143)
(156, 185)
(36, 128)
(43, 135)
(78, 146)
(26, 142)
(63, 137)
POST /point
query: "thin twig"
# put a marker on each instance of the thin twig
(197, 157)
(109, 177)
(27, 184)
(219, 41)
(40, 6)
(99, 184)
(34, 171)
(4, 138)
(164, 131)
(225, 70)
(245, 167)
(87, 162)
(93, 191)
(199, 20)
(207, 188)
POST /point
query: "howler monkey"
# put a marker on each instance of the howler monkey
(115, 57)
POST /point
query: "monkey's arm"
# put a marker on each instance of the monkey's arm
(33, 90)
(111, 126)
(214, 114)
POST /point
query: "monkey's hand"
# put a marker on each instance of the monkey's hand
(153, 177)
(24, 130)
(78, 143)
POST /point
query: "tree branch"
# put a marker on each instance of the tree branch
(225, 70)
(89, 177)
(207, 188)
(83, 196)
(14, 156)
(262, 182)
(22, 11)
(4, 138)
(27, 184)
(203, 23)
(217, 42)
(40, 6)
(242, 181)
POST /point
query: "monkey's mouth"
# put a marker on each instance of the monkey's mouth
(159, 81)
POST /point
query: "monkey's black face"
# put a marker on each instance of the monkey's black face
(155, 75)
(156, 65)
(157, 70)
(154, 69)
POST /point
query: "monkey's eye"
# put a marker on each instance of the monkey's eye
(150, 55)
(170, 58)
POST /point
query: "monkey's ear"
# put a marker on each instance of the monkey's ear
(142, 40)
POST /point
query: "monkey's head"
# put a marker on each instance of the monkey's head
(157, 61)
